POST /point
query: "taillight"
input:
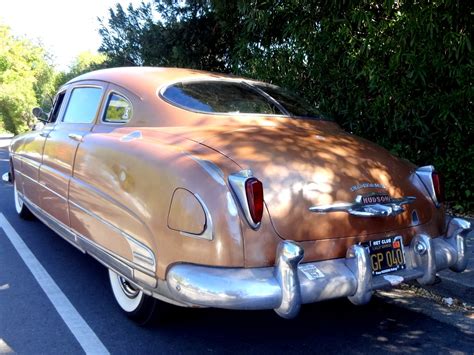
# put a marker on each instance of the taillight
(254, 193)
(438, 186)
(248, 193)
(432, 183)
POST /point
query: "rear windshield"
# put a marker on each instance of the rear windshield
(295, 105)
(233, 97)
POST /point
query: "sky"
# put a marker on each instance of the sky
(64, 28)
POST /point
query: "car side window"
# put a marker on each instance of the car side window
(53, 116)
(118, 109)
(83, 105)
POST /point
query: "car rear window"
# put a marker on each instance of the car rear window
(233, 97)
(296, 105)
(219, 97)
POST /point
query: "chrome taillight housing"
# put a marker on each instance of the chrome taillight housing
(432, 182)
(248, 192)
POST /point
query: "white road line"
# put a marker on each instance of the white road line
(76, 324)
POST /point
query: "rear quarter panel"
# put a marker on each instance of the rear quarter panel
(127, 186)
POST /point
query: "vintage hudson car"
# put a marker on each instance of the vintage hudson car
(206, 190)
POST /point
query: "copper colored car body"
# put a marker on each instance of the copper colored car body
(136, 168)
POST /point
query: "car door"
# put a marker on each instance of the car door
(83, 102)
(102, 208)
(29, 155)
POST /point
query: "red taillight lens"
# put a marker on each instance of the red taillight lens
(254, 192)
(438, 186)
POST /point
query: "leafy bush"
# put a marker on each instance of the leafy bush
(398, 73)
(25, 75)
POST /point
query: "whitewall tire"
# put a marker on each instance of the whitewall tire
(20, 206)
(133, 302)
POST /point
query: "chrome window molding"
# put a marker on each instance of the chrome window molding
(66, 105)
(104, 109)
(161, 90)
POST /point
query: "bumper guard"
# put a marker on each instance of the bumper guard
(289, 284)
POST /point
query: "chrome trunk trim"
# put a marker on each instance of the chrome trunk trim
(392, 208)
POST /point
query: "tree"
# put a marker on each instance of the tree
(26, 75)
(83, 63)
(399, 73)
(186, 34)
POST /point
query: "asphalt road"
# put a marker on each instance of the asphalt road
(30, 324)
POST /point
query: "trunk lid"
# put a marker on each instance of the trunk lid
(312, 163)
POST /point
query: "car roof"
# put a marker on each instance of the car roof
(144, 81)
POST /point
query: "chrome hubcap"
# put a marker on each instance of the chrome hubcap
(127, 288)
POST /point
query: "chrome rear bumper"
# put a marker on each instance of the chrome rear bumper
(289, 284)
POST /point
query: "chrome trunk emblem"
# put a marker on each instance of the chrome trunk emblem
(360, 209)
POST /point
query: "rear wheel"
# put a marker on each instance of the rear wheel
(133, 302)
(20, 206)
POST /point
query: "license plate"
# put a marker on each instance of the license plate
(375, 198)
(386, 255)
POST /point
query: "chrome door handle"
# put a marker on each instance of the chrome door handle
(45, 134)
(75, 137)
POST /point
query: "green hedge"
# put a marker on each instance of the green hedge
(398, 73)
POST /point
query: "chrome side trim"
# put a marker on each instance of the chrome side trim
(107, 198)
(209, 167)
(237, 186)
(392, 208)
(56, 225)
(142, 255)
(30, 162)
(129, 270)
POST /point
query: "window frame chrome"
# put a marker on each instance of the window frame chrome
(107, 97)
